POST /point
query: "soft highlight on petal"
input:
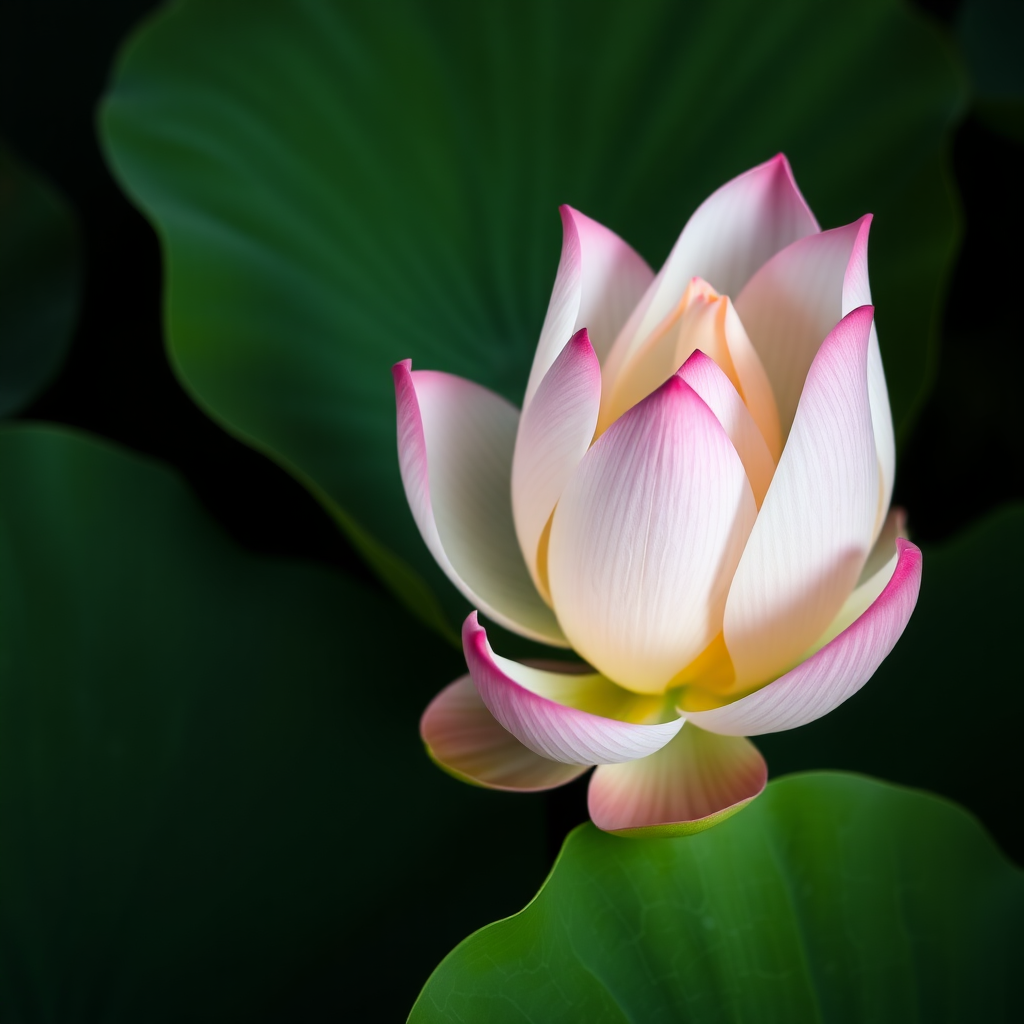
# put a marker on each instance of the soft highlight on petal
(702, 321)
(789, 306)
(464, 739)
(599, 281)
(564, 717)
(691, 325)
(816, 526)
(691, 784)
(554, 434)
(455, 445)
(874, 578)
(732, 233)
(716, 390)
(645, 539)
(857, 292)
(833, 674)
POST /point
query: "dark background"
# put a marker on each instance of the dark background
(963, 458)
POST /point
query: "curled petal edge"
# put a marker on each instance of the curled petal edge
(554, 434)
(463, 739)
(835, 672)
(554, 730)
(474, 540)
(691, 784)
(599, 281)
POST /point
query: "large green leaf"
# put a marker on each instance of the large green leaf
(945, 708)
(40, 281)
(340, 185)
(214, 801)
(832, 898)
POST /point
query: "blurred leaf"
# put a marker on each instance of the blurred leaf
(40, 282)
(991, 35)
(945, 708)
(215, 803)
(341, 185)
(831, 898)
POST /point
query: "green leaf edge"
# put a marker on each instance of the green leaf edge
(62, 209)
(405, 584)
(587, 826)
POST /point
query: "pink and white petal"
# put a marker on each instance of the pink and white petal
(693, 324)
(554, 714)
(455, 445)
(881, 419)
(706, 321)
(645, 539)
(555, 432)
(816, 526)
(894, 527)
(833, 674)
(464, 739)
(874, 578)
(857, 292)
(796, 298)
(753, 383)
(599, 281)
(691, 784)
(714, 387)
(732, 233)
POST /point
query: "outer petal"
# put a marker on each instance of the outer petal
(884, 551)
(464, 738)
(834, 673)
(874, 578)
(554, 714)
(794, 300)
(455, 443)
(816, 525)
(694, 782)
(714, 387)
(554, 434)
(646, 537)
(600, 279)
(729, 236)
(857, 292)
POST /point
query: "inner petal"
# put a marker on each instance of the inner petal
(646, 537)
(689, 326)
(705, 320)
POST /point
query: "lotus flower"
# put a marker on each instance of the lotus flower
(694, 498)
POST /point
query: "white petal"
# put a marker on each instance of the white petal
(792, 302)
(857, 292)
(554, 434)
(705, 321)
(874, 578)
(835, 673)
(729, 236)
(467, 741)
(715, 388)
(789, 306)
(599, 281)
(815, 528)
(692, 324)
(646, 537)
(455, 443)
(692, 783)
(568, 717)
